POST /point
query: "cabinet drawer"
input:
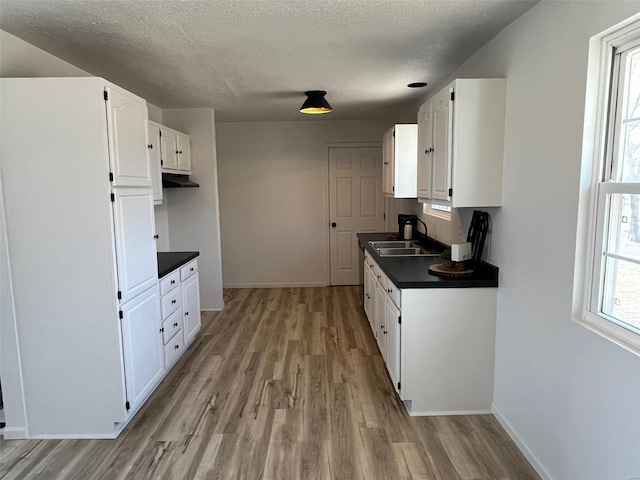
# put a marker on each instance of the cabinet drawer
(188, 270)
(171, 326)
(394, 292)
(380, 276)
(170, 302)
(169, 282)
(173, 349)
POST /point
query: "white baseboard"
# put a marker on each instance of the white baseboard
(211, 309)
(14, 433)
(275, 285)
(74, 436)
(535, 462)
(445, 413)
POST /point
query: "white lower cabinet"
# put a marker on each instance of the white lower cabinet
(437, 343)
(191, 306)
(369, 292)
(142, 346)
(180, 302)
(392, 332)
(379, 330)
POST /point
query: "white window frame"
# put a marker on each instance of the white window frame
(433, 210)
(596, 186)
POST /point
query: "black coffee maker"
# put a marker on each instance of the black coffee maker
(402, 220)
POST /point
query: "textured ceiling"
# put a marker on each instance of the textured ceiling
(252, 60)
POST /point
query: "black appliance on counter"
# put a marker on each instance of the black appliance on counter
(402, 220)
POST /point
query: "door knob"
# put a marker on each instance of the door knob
(334, 224)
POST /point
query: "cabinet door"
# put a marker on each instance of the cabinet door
(425, 146)
(380, 323)
(184, 153)
(387, 162)
(136, 256)
(191, 307)
(169, 150)
(142, 346)
(127, 130)
(369, 294)
(154, 158)
(392, 327)
(442, 131)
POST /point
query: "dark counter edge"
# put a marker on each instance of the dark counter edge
(486, 275)
(169, 261)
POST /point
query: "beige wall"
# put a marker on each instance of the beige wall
(274, 198)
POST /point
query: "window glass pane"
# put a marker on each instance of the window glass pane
(441, 208)
(624, 226)
(621, 299)
(630, 151)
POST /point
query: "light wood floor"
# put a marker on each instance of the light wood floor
(283, 384)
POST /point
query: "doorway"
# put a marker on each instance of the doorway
(355, 205)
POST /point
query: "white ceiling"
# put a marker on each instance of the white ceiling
(252, 60)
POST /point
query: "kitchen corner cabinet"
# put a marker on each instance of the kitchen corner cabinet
(461, 144)
(80, 227)
(399, 161)
(437, 343)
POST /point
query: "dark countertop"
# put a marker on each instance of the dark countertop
(413, 272)
(169, 261)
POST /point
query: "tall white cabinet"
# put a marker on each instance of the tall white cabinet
(82, 256)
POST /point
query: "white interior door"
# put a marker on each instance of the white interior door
(355, 206)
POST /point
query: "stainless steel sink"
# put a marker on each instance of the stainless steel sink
(402, 248)
(395, 244)
(406, 252)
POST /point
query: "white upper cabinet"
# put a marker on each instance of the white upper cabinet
(176, 151)
(399, 161)
(184, 153)
(441, 146)
(169, 149)
(127, 131)
(425, 144)
(154, 158)
(461, 144)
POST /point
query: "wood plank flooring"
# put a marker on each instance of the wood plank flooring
(283, 384)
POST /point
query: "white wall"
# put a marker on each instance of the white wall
(568, 395)
(274, 198)
(193, 213)
(21, 59)
(18, 59)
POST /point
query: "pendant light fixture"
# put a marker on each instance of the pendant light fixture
(315, 103)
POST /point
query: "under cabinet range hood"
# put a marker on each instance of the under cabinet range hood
(170, 180)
